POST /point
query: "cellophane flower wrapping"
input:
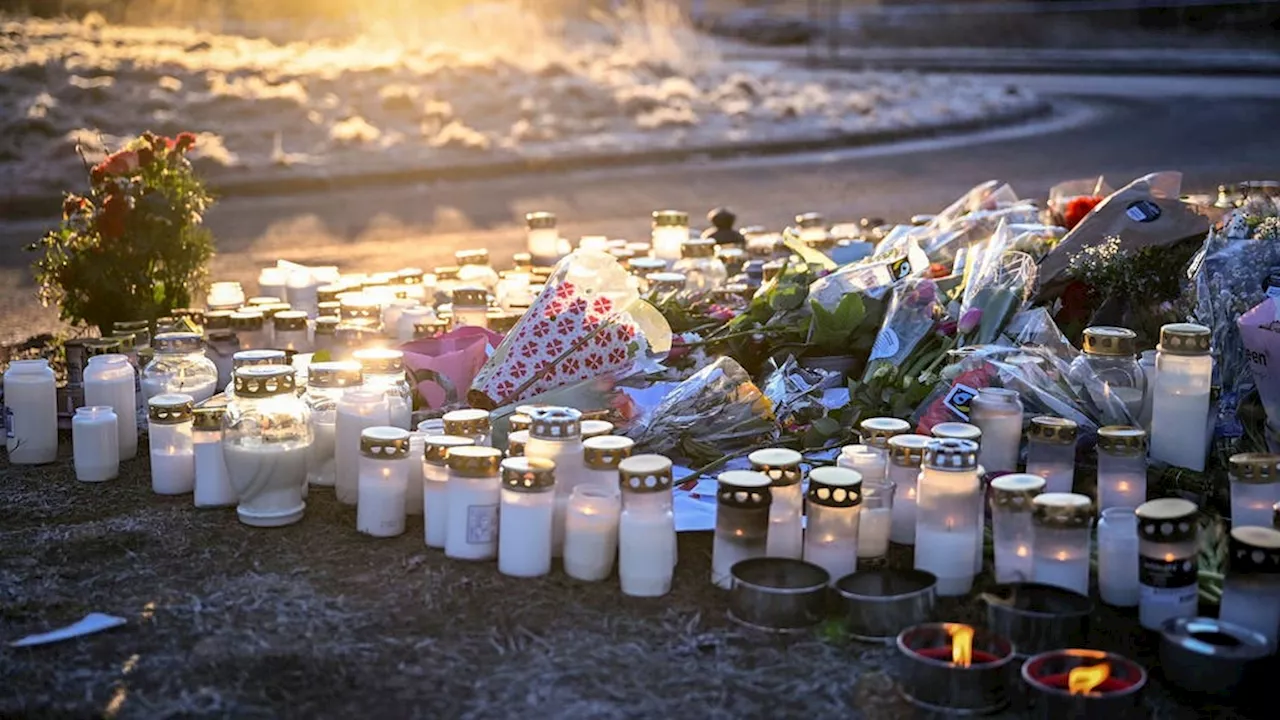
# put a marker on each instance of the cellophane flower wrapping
(999, 284)
(913, 311)
(798, 394)
(716, 412)
(589, 322)
(972, 217)
(1260, 337)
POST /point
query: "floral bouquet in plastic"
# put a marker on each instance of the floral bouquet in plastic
(998, 284)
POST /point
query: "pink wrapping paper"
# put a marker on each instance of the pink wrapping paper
(442, 368)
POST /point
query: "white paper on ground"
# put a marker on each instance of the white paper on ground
(694, 514)
(92, 623)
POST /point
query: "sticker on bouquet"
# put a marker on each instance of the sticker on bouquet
(886, 344)
(958, 400)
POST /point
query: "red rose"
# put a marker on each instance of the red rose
(1077, 306)
(1078, 208)
(111, 219)
(185, 141)
(121, 163)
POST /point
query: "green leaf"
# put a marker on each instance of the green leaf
(789, 297)
(832, 330)
(827, 426)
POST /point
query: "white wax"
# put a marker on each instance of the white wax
(269, 479)
(544, 245)
(1013, 561)
(413, 495)
(31, 413)
(524, 533)
(1001, 439)
(873, 532)
(949, 556)
(435, 505)
(570, 473)
(213, 482)
(1178, 429)
(1121, 490)
(108, 380)
(646, 544)
(381, 509)
(903, 530)
(1252, 503)
(786, 528)
(472, 528)
(95, 446)
(727, 552)
(1118, 570)
(173, 470)
(321, 465)
(590, 543)
(1059, 477)
(838, 556)
(668, 242)
(1071, 573)
(351, 420)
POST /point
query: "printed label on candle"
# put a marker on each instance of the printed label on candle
(482, 524)
(1158, 573)
(958, 400)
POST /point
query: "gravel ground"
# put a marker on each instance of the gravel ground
(315, 620)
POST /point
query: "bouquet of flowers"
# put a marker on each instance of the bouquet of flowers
(999, 284)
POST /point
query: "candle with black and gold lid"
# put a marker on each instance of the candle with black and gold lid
(1251, 591)
(1051, 451)
(1062, 523)
(1168, 566)
(786, 509)
(1012, 532)
(1122, 467)
(742, 522)
(834, 501)
(1255, 488)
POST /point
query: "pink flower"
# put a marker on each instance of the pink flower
(723, 313)
(121, 163)
(969, 321)
(948, 328)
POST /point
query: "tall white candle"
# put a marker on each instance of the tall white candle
(435, 488)
(1118, 557)
(475, 494)
(173, 463)
(835, 504)
(905, 453)
(30, 412)
(213, 481)
(1051, 452)
(997, 412)
(670, 231)
(94, 444)
(357, 410)
(946, 527)
(591, 531)
(1061, 547)
(646, 528)
(109, 380)
(786, 510)
(555, 435)
(383, 371)
(876, 519)
(742, 522)
(1122, 467)
(1255, 488)
(1168, 568)
(1011, 528)
(383, 482)
(1180, 400)
(524, 521)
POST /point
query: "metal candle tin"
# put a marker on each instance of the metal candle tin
(778, 594)
(1119, 696)
(879, 604)
(936, 684)
(1211, 657)
(1037, 618)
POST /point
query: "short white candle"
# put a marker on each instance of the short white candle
(110, 380)
(30, 412)
(591, 532)
(873, 531)
(1255, 488)
(542, 240)
(1061, 547)
(475, 494)
(524, 521)
(1011, 529)
(670, 232)
(213, 482)
(383, 482)
(646, 528)
(835, 506)
(1051, 452)
(357, 410)
(269, 478)
(997, 412)
(1118, 557)
(905, 454)
(94, 444)
(786, 510)
(1122, 467)
(173, 462)
(435, 487)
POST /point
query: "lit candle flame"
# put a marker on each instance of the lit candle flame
(1022, 551)
(1062, 556)
(1083, 680)
(911, 493)
(961, 644)
(1122, 486)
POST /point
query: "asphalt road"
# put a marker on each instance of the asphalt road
(1212, 129)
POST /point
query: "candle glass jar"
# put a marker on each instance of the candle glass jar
(516, 442)
(542, 238)
(555, 434)
(601, 456)
(742, 522)
(469, 422)
(94, 444)
(383, 372)
(831, 538)
(664, 285)
(1251, 592)
(867, 461)
(1180, 399)
(384, 481)
(703, 271)
(326, 382)
(470, 307)
(266, 433)
(524, 522)
(786, 508)
(948, 504)
(250, 329)
(875, 520)
(1122, 467)
(646, 527)
(180, 366)
(670, 232)
(30, 412)
(109, 380)
(1051, 452)
(1168, 571)
(905, 455)
(474, 268)
(1255, 488)
(435, 486)
(1118, 557)
(1062, 523)
(474, 496)
(997, 412)
(1108, 371)
(1012, 533)
(213, 482)
(169, 428)
(325, 339)
(591, 531)
(291, 331)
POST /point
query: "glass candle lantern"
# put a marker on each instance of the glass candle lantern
(877, 431)
(468, 422)
(109, 381)
(905, 455)
(997, 412)
(670, 232)
(1168, 570)
(742, 522)
(470, 307)
(384, 481)
(867, 461)
(180, 366)
(1251, 592)
(250, 329)
(1180, 399)
(1108, 370)
(30, 412)
(1011, 528)
(266, 433)
(356, 410)
(94, 444)
(555, 434)
(596, 428)
(601, 456)
(516, 442)
(646, 527)
(213, 482)
(1060, 552)
(326, 382)
(1051, 452)
(225, 296)
(1255, 488)
(1122, 467)
(1118, 557)
(524, 520)
(173, 463)
(542, 238)
(834, 501)
(475, 494)
(591, 530)
(786, 509)
(435, 486)
(949, 499)
(383, 371)
(291, 331)
(703, 271)
(875, 519)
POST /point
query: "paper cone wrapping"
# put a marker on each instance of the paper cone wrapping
(440, 366)
(589, 322)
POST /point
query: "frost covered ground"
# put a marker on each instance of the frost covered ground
(492, 85)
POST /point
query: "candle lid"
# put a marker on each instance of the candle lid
(1254, 550)
(666, 281)
(528, 475)
(249, 320)
(516, 442)
(289, 320)
(327, 325)
(809, 220)
(385, 443)
(125, 339)
(605, 452)
(207, 416)
(835, 487)
(541, 220)
(646, 265)
(473, 256)
(645, 474)
(271, 311)
(1167, 520)
(670, 218)
(596, 428)
(1109, 341)
(171, 409)
(430, 328)
(262, 300)
(101, 346)
(435, 448)
(555, 423)
(1122, 440)
(258, 381)
(1184, 339)
(474, 461)
(907, 450)
(501, 322)
(951, 455)
(519, 421)
(329, 293)
(329, 308)
(409, 276)
(359, 308)
(1062, 510)
(697, 249)
(1255, 468)
(746, 489)
(522, 261)
(1016, 491)
(177, 342)
(468, 421)
(470, 297)
(877, 431)
(334, 375)
(780, 465)
(249, 358)
(447, 272)
(1055, 430)
(379, 361)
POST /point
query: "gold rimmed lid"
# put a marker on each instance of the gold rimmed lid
(468, 421)
(259, 381)
(207, 416)
(177, 342)
(384, 443)
(171, 409)
(1185, 339)
(334, 375)
(247, 320)
(951, 455)
(249, 358)
(645, 474)
(473, 256)
(1062, 510)
(379, 361)
(101, 346)
(327, 325)
(1014, 492)
(516, 442)
(1109, 341)
(605, 452)
(645, 266)
(746, 489)
(1167, 520)
(1054, 430)
(528, 475)
(522, 261)
(1122, 440)
(957, 431)
(555, 423)
(877, 431)
(907, 450)
(500, 321)
(697, 249)
(430, 328)
(1254, 550)
(290, 320)
(1255, 468)
(835, 487)
(127, 340)
(474, 461)
(435, 448)
(518, 421)
(217, 320)
(540, 220)
(780, 465)
(330, 293)
(470, 297)
(670, 218)
(260, 300)
(596, 428)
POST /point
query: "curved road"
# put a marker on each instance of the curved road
(1212, 129)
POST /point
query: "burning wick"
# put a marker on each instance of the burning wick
(1022, 551)
(1082, 680)
(961, 644)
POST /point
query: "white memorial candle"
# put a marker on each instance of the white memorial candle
(786, 509)
(867, 461)
(413, 495)
(997, 412)
(876, 433)
(30, 412)
(1255, 488)
(326, 382)
(1180, 399)
(356, 411)
(835, 504)
(555, 434)
(469, 422)
(109, 380)
(946, 527)
(524, 522)
(213, 481)
(173, 462)
(876, 519)
(1011, 529)
(543, 240)
(435, 488)
(475, 493)
(1122, 467)
(742, 522)
(94, 444)
(646, 528)
(905, 453)
(1060, 551)
(1051, 452)
(225, 296)
(1118, 557)
(383, 372)
(1168, 568)
(383, 481)
(271, 282)
(1251, 593)
(591, 531)
(670, 231)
